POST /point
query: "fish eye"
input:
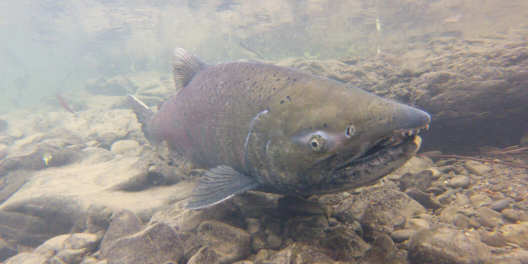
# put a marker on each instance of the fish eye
(350, 130)
(317, 144)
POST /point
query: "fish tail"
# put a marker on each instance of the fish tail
(143, 114)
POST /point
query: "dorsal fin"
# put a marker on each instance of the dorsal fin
(185, 66)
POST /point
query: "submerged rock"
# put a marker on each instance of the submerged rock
(379, 210)
(228, 242)
(300, 253)
(445, 245)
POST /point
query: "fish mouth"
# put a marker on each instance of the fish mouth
(383, 157)
(395, 139)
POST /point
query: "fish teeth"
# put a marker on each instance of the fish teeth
(427, 127)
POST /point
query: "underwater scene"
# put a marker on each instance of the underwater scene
(260, 132)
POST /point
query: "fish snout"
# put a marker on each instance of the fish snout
(407, 117)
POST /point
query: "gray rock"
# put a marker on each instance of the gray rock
(82, 241)
(121, 146)
(345, 243)
(25, 258)
(262, 255)
(459, 182)
(187, 221)
(274, 241)
(256, 230)
(417, 223)
(448, 214)
(513, 256)
(434, 190)
(6, 250)
(500, 205)
(461, 199)
(494, 239)
(489, 218)
(427, 200)
(302, 253)
(479, 200)
(157, 243)
(71, 255)
(461, 221)
(306, 228)
(445, 198)
(476, 167)
(401, 235)
(446, 245)
(58, 199)
(379, 209)
(510, 214)
(420, 181)
(124, 223)
(204, 256)
(516, 233)
(230, 243)
(31, 156)
(383, 250)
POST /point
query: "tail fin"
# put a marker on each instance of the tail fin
(143, 114)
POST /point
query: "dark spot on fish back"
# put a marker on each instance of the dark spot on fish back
(282, 102)
(287, 97)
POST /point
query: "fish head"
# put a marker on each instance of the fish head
(326, 137)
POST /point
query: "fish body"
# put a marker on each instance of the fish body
(258, 126)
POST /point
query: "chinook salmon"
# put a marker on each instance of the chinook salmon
(258, 126)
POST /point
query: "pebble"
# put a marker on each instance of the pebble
(274, 241)
(459, 181)
(436, 173)
(497, 196)
(332, 221)
(461, 221)
(480, 200)
(399, 236)
(119, 147)
(444, 199)
(446, 168)
(418, 224)
(510, 214)
(468, 212)
(476, 167)
(448, 214)
(516, 233)
(494, 239)
(489, 218)
(427, 217)
(262, 255)
(500, 204)
(461, 199)
(434, 190)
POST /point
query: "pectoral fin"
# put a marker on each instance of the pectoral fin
(220, 184)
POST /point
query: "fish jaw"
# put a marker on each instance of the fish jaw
(367, 170)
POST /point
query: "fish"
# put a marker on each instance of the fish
(46, 158)
(63, 103)
(258, 126)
